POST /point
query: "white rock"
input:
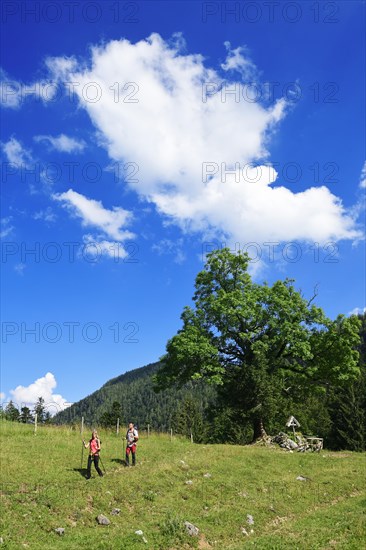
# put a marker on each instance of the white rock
(250, 519)
(141, 534)
(191, 529)
(103, 520)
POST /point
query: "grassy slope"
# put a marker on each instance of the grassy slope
(43, 489)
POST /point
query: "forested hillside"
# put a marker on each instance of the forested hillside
(138, 402)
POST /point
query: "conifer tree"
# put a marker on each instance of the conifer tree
(11, 412)
(25, 415)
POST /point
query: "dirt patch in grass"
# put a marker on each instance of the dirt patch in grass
(337, 455)
(203, 544)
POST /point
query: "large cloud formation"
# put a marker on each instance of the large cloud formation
(42, 387)
(152, 106)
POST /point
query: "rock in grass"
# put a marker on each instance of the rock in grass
(60, 531)
(189, 482)
(250, 519)
(301, 478)
(191, 529)
(103, 520)
(141, 534)
(116, 511)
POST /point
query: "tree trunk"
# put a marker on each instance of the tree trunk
(258, 429)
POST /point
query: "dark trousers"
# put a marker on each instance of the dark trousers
(131, 450)
(94, 459)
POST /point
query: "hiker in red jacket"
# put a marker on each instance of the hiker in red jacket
(94, 448)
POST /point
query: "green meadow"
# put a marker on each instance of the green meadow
(43, 487)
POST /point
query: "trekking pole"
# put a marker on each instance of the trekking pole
(102, 463)
(82, 455)
(82, 448)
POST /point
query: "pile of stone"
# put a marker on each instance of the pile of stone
(285, 442)
(298, 443)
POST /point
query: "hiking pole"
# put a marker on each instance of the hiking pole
(102, 463)
(82, 455)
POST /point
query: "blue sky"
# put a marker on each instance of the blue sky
(136, 136)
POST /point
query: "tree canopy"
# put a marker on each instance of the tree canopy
(257, 341)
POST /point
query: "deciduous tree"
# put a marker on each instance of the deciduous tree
(256, 341)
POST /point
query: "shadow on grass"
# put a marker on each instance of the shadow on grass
(82, 471)
(119, 461)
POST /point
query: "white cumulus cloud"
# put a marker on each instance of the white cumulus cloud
(46, 215)
(6, 228)
(22, 158)
(17, 154)
(63, 143)
(357, 311)
(95, 246)
(237, 60)
(42, 387)
(14, 93)
(162, 120)
(92, 213)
